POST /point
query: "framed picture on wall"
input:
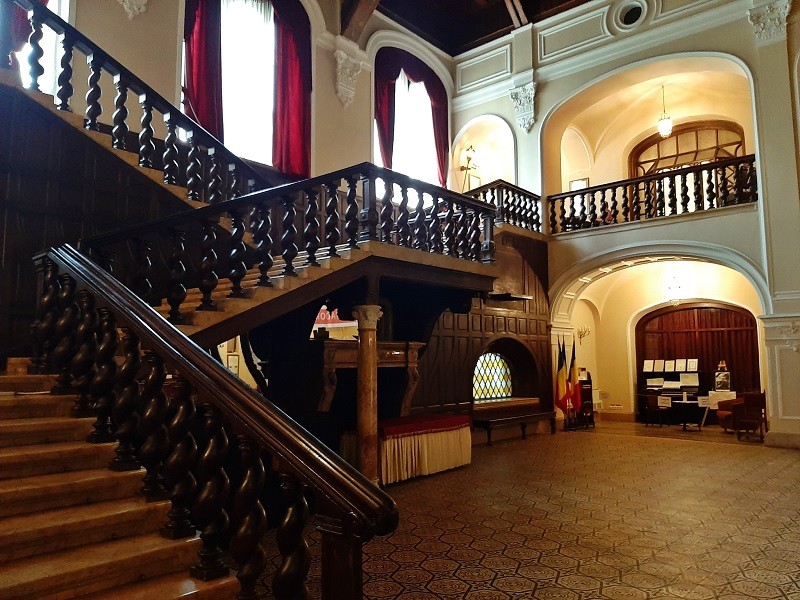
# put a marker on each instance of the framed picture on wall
(658, 365)
(722, 381)
(578, 184)
(691, 364)
(680, 364)
(669, 366)
(648, 366)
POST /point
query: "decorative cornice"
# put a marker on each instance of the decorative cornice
(523, 99)
(367, 315)
(347, 72)
(133, 7)
(769, 21)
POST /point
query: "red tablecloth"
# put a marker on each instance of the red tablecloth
(417, 424)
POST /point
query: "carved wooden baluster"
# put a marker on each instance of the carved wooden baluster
(177, 276)
(208, 510)
(420, 225)
(462, 234)
(699, 201)
(65, 89)
(537, 216)
(178, 466)
(614, 205)
(93, 107)
(214, 188)
(249, 520)
(752, 183)
(368, 215)
(711, 190)
(673, 196)
(64, 334)
(125, 412)
(170, 157)
(605, 214)
(332, 233)
(625, 205)
(261, 226)
(519, 203)
(102, 385)
(449, 232)
(208, 264)
(554, 218)
(35, 69)
(403, 229)
(488, 247)
(636, 208)
(119, 132)
(83, 362)
(144, 267)
(351, 212)
(49, 313)
(474, 251)
(311, 231)
(684, 194)
(289, 582)
(594, 218)
(193, 179)
(152, 427)
(724, 191)
(498, 199)
(435, 242)
(234, 183)
(146, 145)
(288, 247)
(648, 198)
(237, 255)
(386, 221)
(661, 200)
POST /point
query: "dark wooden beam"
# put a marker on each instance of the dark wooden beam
(355, 15)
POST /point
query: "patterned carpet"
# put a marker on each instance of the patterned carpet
(594, 514)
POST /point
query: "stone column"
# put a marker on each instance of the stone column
(367, 418)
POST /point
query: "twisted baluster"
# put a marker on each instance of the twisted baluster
(83, 370)
(146, 145)
(605, 215)
(152, 427)
(249, 521)
(144, 268)
(208, 264)
(661, 200)
(178, 466)
(403, 229)
(234, 183)
(636, 207)
(537, 217)
(475, 236)
(420, 225)
(711, 189)
(214, 191)
(351, 213)
(49, 313)
(449, 232)
(673, 196)
(553, 215)
(752, 183)
(177, 276)
(435, 244)
(332, 233)
(236, 256)
(64, 334)
(385, 216)
(699, 201)
(614, 205)
(208, 510)
(311, 232)
(625, 205)
(288, 247)
(65, 89)
(724, 192)
(289, 582)
(170, 156)
(368, 216)
(35, 69)
(125, 412)
(684, 194)
(119, 132)
(93, 106)
(104, 378)
(193, 180)
(261, 225)
(462, 235)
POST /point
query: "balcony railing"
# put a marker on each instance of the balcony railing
(692, 189)
(515, 205)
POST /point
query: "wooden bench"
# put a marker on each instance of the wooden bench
(510, 411)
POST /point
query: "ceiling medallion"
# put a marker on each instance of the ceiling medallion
(133, 7)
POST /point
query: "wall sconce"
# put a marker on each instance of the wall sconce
(583, 331)
(469, 154)
(664, 121)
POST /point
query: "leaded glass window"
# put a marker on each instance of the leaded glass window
(492, 378)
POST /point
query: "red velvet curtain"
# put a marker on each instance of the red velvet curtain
(388, 64)
(203, 86)
(291, 139)
(20, 30)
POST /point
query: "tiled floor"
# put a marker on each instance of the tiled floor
(596, 514)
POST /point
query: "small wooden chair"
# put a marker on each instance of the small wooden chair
(652, 408)
(750, 416)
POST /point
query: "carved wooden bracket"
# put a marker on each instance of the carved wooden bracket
(523, 99)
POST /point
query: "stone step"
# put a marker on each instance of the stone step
(41, 459)
(89, 569)
(56, 530)
(47, 430)
(58, 490)
(173, 587)
(35, 406)
(27, 383)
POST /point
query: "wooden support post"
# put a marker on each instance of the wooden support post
(367, 418)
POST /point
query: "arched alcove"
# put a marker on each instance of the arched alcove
(492, 157)
(504, 369)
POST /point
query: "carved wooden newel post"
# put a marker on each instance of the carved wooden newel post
(367, 420)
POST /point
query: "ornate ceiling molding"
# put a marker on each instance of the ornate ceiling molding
(523, 99)
(769, 21)
(347, 71)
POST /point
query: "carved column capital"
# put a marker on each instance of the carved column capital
(782, 331)
(523, 98)
(347, 71)
(367, 315)
(769, 21)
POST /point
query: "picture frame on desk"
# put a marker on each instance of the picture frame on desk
(648, 366)
(680, 365)
(722, 381)
(658, 365)
(669, 366)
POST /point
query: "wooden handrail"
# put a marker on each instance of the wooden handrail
(501, 183)
(515, 205)
(371, 511)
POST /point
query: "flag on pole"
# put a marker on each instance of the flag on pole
(575, 385)
(561, 379)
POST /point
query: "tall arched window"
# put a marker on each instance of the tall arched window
(492, 378)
